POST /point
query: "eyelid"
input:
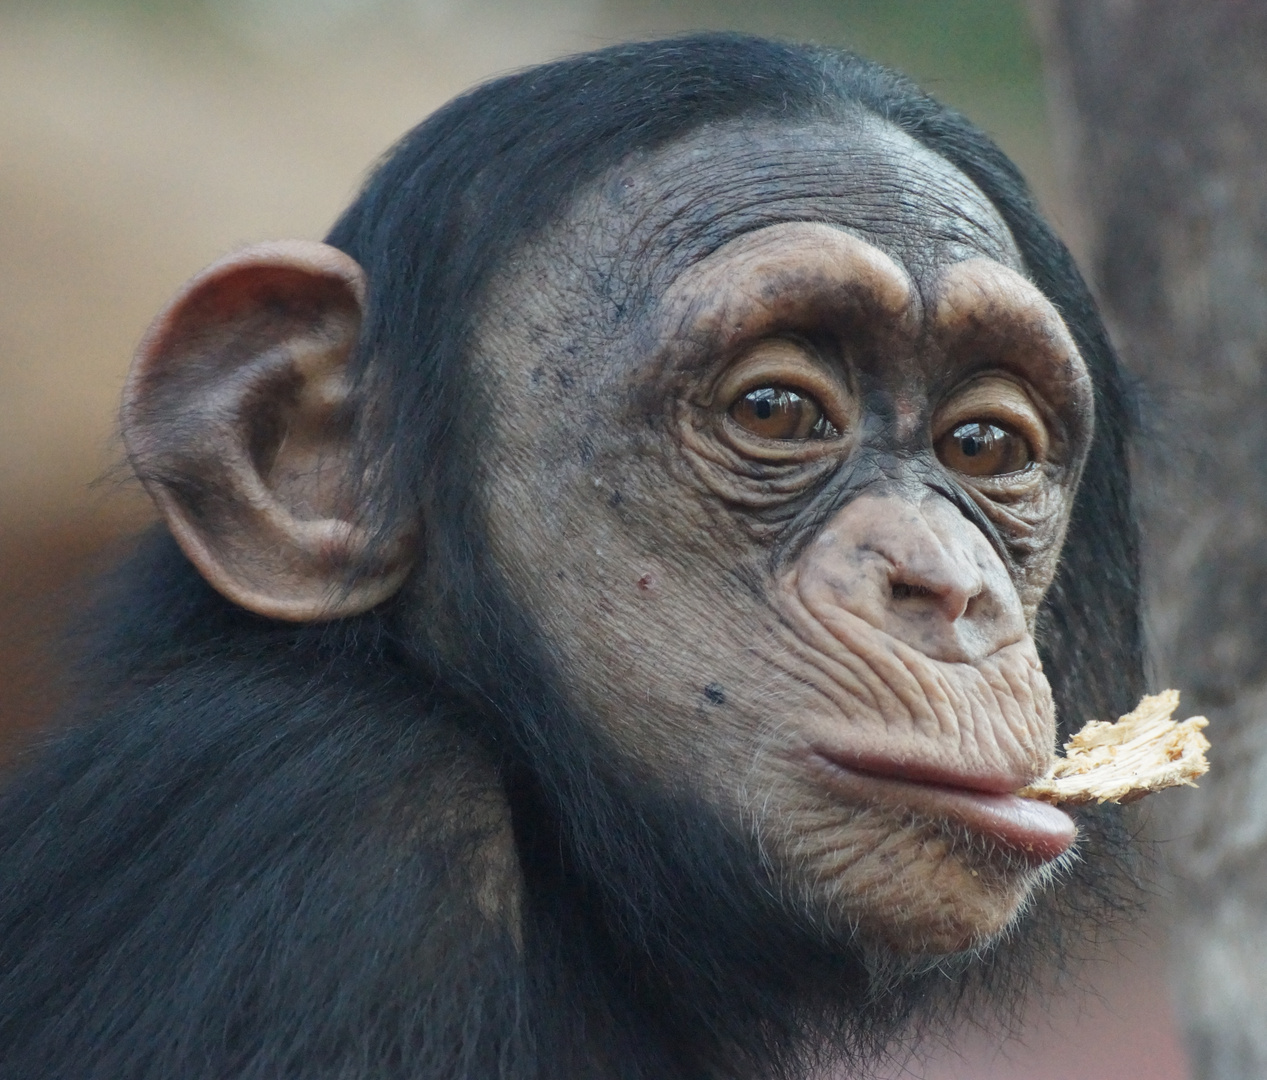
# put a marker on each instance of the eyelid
(1001, 400)
(792, 365)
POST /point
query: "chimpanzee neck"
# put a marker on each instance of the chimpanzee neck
(683, 968)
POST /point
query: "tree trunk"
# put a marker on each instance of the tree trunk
(1162, 109)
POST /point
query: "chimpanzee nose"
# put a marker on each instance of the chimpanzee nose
(917, 569)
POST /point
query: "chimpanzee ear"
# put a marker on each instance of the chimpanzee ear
(238, 420)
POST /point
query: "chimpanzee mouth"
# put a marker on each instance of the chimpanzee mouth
(1032, 831)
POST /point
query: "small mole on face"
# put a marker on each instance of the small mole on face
(715, 693)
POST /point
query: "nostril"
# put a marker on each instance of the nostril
(955, 599)
(905, 591)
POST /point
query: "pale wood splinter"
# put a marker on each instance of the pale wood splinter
(1145, 751)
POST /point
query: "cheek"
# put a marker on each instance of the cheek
(636, 597)
(677, 677)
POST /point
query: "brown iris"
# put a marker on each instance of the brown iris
(776, 412)
(979, 448)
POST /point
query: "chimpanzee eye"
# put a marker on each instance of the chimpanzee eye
(979, 448)
(775, 412)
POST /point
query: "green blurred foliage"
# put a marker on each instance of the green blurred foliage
(961, 40)
(977, 40)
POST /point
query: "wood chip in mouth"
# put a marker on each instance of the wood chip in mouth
(1145, 751)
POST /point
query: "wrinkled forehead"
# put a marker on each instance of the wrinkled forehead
(664, 211)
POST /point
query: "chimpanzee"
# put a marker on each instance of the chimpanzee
(595, 627)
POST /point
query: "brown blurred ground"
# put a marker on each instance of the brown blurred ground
(133, 151)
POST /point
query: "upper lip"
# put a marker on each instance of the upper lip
(999, 780)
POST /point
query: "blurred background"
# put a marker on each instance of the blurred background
(139, 141)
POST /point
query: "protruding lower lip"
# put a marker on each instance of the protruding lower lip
(1032, 830)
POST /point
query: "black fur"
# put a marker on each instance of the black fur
(243, 858)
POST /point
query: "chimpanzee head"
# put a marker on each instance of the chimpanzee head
(722, 423)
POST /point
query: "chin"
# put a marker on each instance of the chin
(918, 889)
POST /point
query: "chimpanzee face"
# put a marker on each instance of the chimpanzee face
(776, 446)
(778, 449)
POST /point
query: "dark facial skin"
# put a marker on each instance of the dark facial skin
(778, 449)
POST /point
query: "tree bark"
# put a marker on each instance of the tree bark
(1161, 112)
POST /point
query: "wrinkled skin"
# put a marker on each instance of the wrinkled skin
(824, 627)
(830, 637)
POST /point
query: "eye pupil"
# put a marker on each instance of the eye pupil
(971, 445)
(763, 408)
